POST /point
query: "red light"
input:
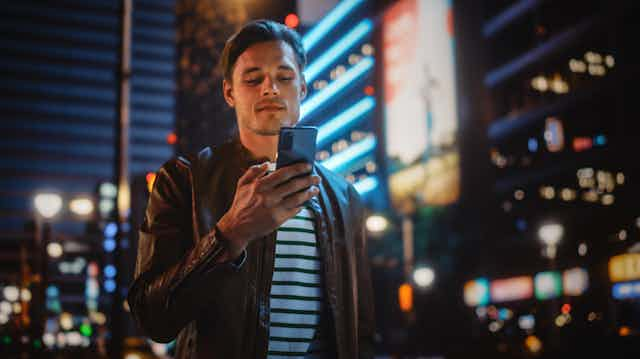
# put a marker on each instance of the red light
(172, 138)
(369, 90)
(292, 21)
(566, 308)
(582, 143)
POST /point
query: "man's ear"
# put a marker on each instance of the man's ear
(227, 91)
(303, 88)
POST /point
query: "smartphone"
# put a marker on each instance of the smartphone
(296, 145)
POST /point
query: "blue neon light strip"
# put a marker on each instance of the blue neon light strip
(366, 185)
(337, 14)
(338, 49)
(627, 290)
(346, 119)
(352, 153)
(335, 87)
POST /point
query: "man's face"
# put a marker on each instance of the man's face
(266, 88)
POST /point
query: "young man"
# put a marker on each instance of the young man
(238, 262)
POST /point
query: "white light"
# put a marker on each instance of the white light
(423, 276)
(495, 326)
(377, 223)
(61, 340)
(54, 249)
(108, 190)
(4, 318)
(547, 192)
(608, 199)
(577, 65)
(540, 83)
(551, 233)
(11, 293)
(582, 249)
(74, 339)
(567, 194)
(518, 195)
(17, 308)
(25, 294)
(638, 222)
(597, 70)
(66, 321)
(49, 340)
(526, 322)
(367, 49)
(5, 307)
(81, 206)
(106, 206)
(610, 61)
(622, 235)
(132, 356)
(48, 204)
(593, 57)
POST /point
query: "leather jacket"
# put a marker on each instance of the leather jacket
(182, 290)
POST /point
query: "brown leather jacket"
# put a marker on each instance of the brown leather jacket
(221, 310)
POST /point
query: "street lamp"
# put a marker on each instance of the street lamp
(376, 223)
(81, 206)
(48, 205)
(424, 277)
(550, 234)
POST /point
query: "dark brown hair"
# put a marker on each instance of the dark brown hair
(255, 32)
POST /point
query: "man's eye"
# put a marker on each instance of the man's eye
(286, 78)
(252, 81)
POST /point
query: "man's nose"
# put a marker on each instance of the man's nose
(269, 87)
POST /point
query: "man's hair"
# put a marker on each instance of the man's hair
(255, 32)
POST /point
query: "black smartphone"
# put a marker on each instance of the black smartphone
(296, 145)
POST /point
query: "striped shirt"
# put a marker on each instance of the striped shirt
(296, 292)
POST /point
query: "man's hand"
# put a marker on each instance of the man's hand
(262, 203)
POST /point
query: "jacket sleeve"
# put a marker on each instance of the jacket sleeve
(175, 276)
(366, 313)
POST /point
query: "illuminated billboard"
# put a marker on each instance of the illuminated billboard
(420, 103)
(476, 292)
(624, 267)
(510, 289)
(627, 290)
(575, 281)
(548, 285)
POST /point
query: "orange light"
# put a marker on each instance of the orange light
(369, 90)
(292, 21)
(151, 178)
(405, 297)
(172, 138)
(624, 331)
(566, 308)
(533, 344)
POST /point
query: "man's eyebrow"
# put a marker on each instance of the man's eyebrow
(250, 70)
(285, 67)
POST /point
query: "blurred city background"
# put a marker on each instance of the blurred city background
(493, 141)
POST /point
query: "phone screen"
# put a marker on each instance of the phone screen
(296, 145)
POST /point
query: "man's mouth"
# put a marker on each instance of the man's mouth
(271, 108)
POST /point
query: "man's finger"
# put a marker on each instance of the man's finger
(295, 185)
(298, 199)
(252, 173)
(284, 174)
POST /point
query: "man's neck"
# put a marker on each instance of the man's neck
(260, 146)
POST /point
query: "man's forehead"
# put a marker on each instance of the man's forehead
(268, 53)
